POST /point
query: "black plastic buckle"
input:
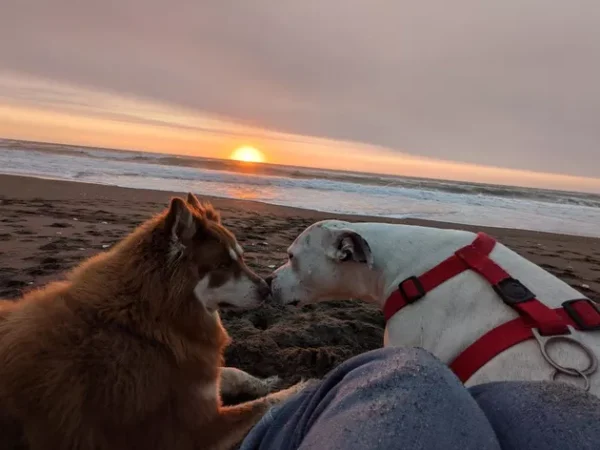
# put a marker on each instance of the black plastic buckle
(512, 291)
(573, 314)
(418, 286)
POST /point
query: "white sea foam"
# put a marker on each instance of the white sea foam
(322, 190)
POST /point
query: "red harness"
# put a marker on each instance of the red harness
(581, 313)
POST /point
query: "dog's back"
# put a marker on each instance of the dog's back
(370, 261)
(64, 372)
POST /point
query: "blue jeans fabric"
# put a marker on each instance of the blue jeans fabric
(405, 398)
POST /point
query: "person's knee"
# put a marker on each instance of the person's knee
(393, 358)
(414, 357)
(409, 360)
(529, 394)
(405, 389)
(543, 413)
(393, 367)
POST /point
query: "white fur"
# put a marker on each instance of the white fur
(236, 382)
(208, 391)
(236, 252)
(240, 292)
(449, 318)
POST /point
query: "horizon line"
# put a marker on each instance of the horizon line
(347, 171)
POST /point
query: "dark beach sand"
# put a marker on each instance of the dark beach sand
(47, 227)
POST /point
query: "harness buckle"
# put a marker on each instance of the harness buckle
(579, 321)
(418, 287)
(573, 338)
(512, 291)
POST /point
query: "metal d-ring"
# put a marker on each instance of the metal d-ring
(586, 386)
(544, 341)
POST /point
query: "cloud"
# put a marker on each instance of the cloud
(510, 84)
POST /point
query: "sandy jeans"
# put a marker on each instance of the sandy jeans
(405, 398)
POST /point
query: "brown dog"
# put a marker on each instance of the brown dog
(126, 353)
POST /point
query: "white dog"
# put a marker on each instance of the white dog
(436, 288)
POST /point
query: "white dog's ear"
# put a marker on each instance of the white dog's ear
(348, 245)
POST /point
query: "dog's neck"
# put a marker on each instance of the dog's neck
(403, 251)
(462, 309)
(145, 305)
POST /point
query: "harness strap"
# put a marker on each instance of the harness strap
(512, 333)
(581, 313)
(510, 290)
(415, 288)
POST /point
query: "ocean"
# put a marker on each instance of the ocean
(321, 190)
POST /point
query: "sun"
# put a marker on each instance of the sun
(247, 153)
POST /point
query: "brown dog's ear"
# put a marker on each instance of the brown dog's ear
(204, 208)
(180, 220)
(193, 201)
(348, 245)
(211, 213)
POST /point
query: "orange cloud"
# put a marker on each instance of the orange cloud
(75, 115)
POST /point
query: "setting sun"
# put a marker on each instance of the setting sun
(247, 154)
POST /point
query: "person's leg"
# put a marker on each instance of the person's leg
(540, 415)
(393, 398)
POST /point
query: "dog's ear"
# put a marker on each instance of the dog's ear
(348, 245)
(211, 213)
(204, 208)
(180, 220)
(193, 201)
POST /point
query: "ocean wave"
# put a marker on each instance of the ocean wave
(219, 171)
(335, 192)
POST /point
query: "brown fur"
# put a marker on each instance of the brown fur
(122, 355)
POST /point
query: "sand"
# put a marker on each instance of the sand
(47, 227)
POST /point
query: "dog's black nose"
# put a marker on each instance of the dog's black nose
(269, 280)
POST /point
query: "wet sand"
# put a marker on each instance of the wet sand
(47, 227)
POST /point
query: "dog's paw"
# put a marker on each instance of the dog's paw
(309, 382)
(271, 383)
(301, 385)
(284, 394)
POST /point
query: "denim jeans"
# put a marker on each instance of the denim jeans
(405, 398)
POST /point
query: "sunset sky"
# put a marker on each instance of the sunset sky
(500, 92)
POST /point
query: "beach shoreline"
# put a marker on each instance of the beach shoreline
(27, 188)
(49, 226)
